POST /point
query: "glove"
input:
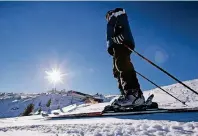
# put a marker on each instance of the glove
(118, 39)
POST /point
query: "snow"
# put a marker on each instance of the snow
(95, 127)
(177, 90)
(162, 124)
(13, 105)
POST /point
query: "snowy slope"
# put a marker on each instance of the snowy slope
(177, 90)
(162, 124)
(112, 126)
(163, 99)
(13, 104)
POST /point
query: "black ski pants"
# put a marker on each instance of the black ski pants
(123, 70)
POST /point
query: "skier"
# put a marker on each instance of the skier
(118, 37)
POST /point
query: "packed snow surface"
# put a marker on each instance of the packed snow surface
(13, 104)
(36, 125)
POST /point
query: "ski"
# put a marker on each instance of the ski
(105, 114)
(67, 109)
(113, 110)
(152, 111)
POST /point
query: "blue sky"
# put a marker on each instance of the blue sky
(38, 36)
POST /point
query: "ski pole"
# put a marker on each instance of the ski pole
(184, 103)
(162, 70)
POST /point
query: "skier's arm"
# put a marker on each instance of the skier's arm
(122, 32)
(110, 33)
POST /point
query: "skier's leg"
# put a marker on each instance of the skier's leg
(126, 70)
(128, 76)
(117, 76)
(120, 87)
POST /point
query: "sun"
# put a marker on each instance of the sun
(55, 76)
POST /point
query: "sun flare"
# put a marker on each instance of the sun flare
(55, 76)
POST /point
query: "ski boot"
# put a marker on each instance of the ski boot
(140, 106)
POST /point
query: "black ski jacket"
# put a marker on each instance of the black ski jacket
(118, 31)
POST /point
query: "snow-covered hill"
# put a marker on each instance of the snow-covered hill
(13, 104)
(177, 90)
